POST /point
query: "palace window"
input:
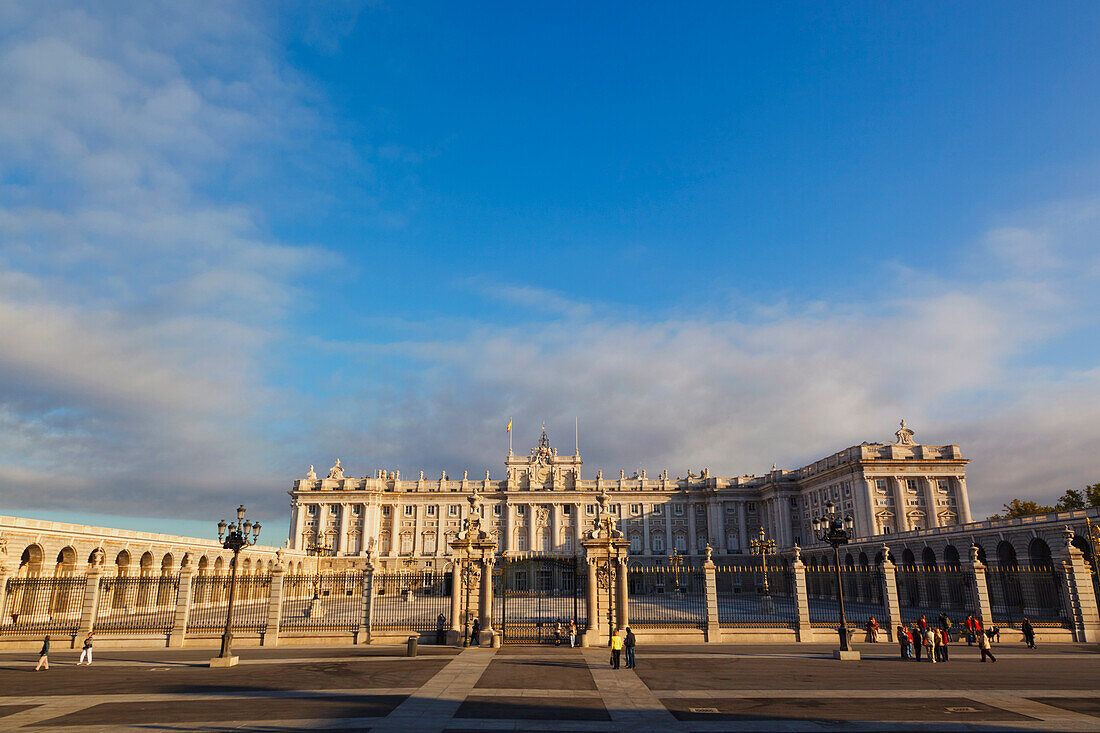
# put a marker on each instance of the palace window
(700, 543)
(636, 545)
(658, 510)
(731, 509)
(567, 509)
(942, 486)
(658, 544)
(406, 544)
(522, 510)
(332, 509)
(591, 509)
(521, 542)
(680, 543)
(410, 510)
(885, 530)
(452, 511)
(731, 542)
(751, 506)
(313, 511)
(699, 508)
(798, 540)
(911, 485)
(678, 510)
(386, 513)
(880, 486)
(794, 503)
(496, 513)
(431, 510)
(637, 509)
(613, 508)
(847, 488)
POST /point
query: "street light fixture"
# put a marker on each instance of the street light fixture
(608, 576)
(761, 546)
(234, 536)
(837, 530)
(469, 574)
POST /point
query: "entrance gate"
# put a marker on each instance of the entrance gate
(532, 594)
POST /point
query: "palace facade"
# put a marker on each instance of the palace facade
(543, 504)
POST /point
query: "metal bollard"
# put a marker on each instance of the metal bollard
(410, 650)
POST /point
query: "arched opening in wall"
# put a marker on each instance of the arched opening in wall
(851, 586)
(679, 542)
(164, 583)
(166, 563)
(878, 558)
(30, 562)
(932, 577)
(66, 562)
(1044, 580)
(635, 543)
(951, 557)
(1038, 553)
(122, 563)
(911, 585)
(92, 555)
(145, 595)
(219, 565)
(147, 563)
(863, 560)
(908, 559)
(543, 539)
(568, 546)
(204, 565)
(865, 575)
(384, 544)
(952, 567)
(1008, 590)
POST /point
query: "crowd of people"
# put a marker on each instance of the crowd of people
(933, 641)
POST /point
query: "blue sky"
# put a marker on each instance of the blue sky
(240, 238)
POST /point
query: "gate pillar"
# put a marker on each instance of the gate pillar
(605, 549)
(486, 596)
(473, 548)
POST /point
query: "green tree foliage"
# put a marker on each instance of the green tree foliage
(1088, 496)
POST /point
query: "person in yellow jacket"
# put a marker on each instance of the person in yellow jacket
(616, 650)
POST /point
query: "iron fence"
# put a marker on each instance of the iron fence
(863, 596)
(1032, 592)
(933, 591)
(754, 595)
(322, 602)
(534, 596)
(38, 604)
(210, 601)
(137, 604)
(667, 597)
(411, 600)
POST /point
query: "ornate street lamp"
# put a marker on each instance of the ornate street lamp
(235, 536)
(762, 546)
(318, 549)
(470, 573)
(676, 562)
(835, 529)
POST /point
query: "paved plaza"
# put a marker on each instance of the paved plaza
(674, 688)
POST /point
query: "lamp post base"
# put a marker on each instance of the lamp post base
(224, 661)
(846, 656)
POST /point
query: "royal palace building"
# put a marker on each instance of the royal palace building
(543, 504)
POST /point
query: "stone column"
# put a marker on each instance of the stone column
(742, 528)
(456, 598)
(692, 541)
(1079, 595)
(668, 527)
(900, 505)
(962, 499)
(981, 588)
(485, 602)
(555, 526)
(591, 636)
(802, 598)
(710, 576)
(366, 611)
(891, 605)
(622, 610)
(509, 523)
(274, 607)
(871, 497)
(91, 600)
(418, 530)
(299, 519)
(532, 528)
(646, 548)
(931, 507)
(183, 606)
(344, 509)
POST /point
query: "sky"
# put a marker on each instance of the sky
(241, 238)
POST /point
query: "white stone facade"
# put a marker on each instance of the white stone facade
(543, 504)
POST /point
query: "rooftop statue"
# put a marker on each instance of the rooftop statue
(337, 471)
(904, 435)
(312, 475)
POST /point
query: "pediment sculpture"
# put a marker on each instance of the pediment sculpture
(337, 471)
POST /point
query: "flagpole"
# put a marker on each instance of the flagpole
(509, 436)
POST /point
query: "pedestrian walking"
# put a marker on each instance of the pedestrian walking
(1029, 633)
(969, 625)
(557, 634)
(930, 645)
(986, 648)
(872, 630)
(475, 633)
(572, 633)
(440, 629)
(86, 652)
(903, 645)
(918, 642)
(942, 641)
(616, 650)
(908, 642)
(43, 656)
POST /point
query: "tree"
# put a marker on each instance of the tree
(1072, 499)
(1022, 508)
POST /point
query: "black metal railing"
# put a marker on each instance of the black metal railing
(667, 597)
(210, 599)
(863, 596)
(322, 602)
(751, 596)
(137, 603)
(932, 590)
(37, 604)
(1032, 592)
(411, 600)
